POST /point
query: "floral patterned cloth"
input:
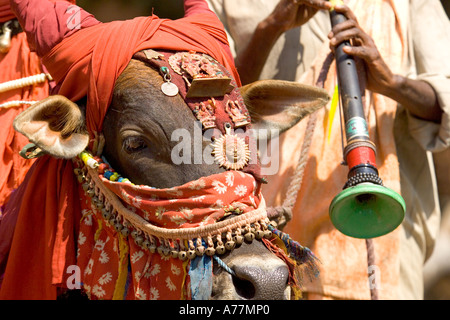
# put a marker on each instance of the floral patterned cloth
(108, 273)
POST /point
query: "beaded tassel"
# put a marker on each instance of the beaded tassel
(302, 255)
(103, 168)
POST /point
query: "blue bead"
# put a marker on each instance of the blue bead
(108, 174)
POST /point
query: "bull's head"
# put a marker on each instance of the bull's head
(138, 129)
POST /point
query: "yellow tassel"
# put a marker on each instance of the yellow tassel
(280, 244)
(296, 288)
(336, 3)
(296, 293)
(333, 107)
(119, 289)
(183, 290)
(99, 229)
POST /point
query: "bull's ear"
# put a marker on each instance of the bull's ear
(56, 125)
(278, 104)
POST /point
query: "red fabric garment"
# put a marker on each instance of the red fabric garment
(43, 243)
(94, 55)
(47, 22)
(104, 51)
(17, 63)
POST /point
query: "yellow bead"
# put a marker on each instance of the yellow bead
(84, 156)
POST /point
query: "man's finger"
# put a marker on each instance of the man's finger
(317, 4)
(362, 52)
(345, 35)
(346, 12)
(341, 27)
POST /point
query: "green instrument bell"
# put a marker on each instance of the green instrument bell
(367, 210)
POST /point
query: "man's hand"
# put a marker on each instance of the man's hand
(415, 95)
(289, 14)
(379, 76)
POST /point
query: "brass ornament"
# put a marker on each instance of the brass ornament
(239, 117)
(231, 151)
(202, 74)
(205, 113)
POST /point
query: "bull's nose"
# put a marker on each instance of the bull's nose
(259, 284)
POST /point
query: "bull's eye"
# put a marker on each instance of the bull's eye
(134, 144)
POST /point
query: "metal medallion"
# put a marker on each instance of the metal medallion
(169, 89)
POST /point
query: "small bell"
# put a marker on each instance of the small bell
(166, 251)
(249, 237)
(210, 251)
(230, 245)
(174, 253)
(238, 239)
(139, 240)
(220, 249)
(5, 38)
(191, 254)
(259, 234)
(182, 255)
(152, 248)
(118, 226)
(200, 250)
(106, 214)
(125, 232)
(146, 244)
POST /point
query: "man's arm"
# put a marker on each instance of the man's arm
(195, 6)
(287, 14)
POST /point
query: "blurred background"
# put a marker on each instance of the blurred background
(446, 4)
(437, 269)
(108, 10)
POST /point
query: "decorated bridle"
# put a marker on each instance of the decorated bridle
(213, 96)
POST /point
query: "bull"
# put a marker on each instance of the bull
(137, 128)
